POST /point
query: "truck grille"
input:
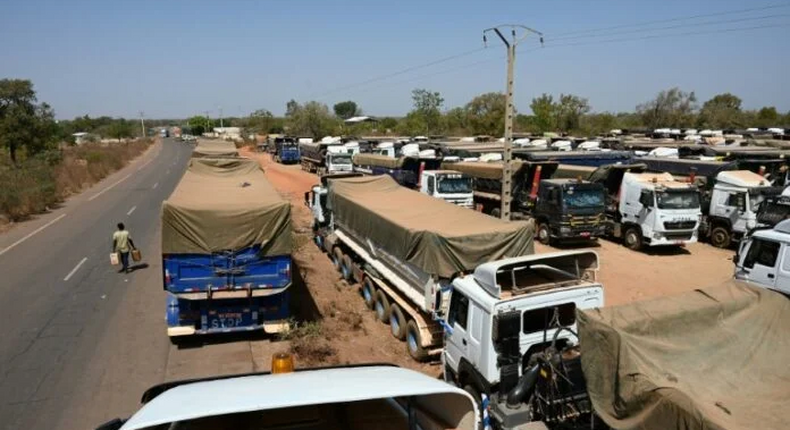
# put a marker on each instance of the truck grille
(678, 236)
(680, 225)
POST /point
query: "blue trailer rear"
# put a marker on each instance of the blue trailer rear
(226, 244)
(286, 150)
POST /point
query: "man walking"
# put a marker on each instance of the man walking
(122, 243)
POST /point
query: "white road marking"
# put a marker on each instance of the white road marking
(109, 188)
(131, 210)
(74, 270)
(144, 164)
(31, 234)
(155, 185)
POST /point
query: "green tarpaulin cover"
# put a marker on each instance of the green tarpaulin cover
(225, 204)
(214, 148)
(440, 238)
(714, 358)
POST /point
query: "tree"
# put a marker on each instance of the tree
(291, 107)
(455, 121)
(346, 109)
(485, 114)
(544, 113)
(722, 111)
(23, 122)
(313, 119)
(569, 110)
(387, 124)
(120, 129)
(767, 117)
(199, 124)
(426, 113)
(261, 121)
(670, 108)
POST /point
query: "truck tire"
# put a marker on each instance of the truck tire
(345, 268)
(474, 393)
(720, 237)
(544, 234)
(414, 342)
(496, 213)
(632, 239)
(369, 293)
(382, 307)
(337, 259)
(397, 322)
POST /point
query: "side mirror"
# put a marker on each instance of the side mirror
(646, 199)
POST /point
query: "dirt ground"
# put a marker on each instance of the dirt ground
(349, 327)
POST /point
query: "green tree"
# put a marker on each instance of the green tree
(544, 112)
(569, 110)
(427, 111)
(597, 123)
(313, 119)
(455, 121)
(199, 124)
(485, 114)
(722, 111)
(261, 121)
(767, 117)
(120, 129)
(670, 108)
(387, 124)
(291, 108)
(23, 122)
(346, 109)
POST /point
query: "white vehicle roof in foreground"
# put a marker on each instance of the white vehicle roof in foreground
(779, 233)
(742, 178)
(304, 388)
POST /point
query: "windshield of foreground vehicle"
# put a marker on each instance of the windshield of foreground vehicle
(455, 185)
(341, 159)
(678, 200)
(577, 199)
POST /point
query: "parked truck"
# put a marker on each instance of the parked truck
(563, 209)
(226, 250)
(286, 150)
(323, 158)
(763, 257)
(650, 209)
(423, 174)
(405, 248)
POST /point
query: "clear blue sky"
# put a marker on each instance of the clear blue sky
(179, 58)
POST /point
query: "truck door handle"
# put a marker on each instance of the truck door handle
(770, 275)
(463, 341)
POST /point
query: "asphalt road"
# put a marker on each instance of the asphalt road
(80, 342)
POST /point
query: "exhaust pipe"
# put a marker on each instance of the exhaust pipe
(524, 388)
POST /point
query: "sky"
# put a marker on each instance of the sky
(178, 58)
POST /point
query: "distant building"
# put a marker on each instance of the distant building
(229, 133)
(360, 119)
(81, 137)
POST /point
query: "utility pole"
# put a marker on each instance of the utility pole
(208, 123)
(142, 123)
(221, 123)
(507, 154)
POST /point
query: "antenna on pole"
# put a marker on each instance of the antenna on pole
(507, 154)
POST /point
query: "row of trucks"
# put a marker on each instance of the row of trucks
(226, 248)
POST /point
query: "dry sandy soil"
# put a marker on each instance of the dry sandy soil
(355, 336)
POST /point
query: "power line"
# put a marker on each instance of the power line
(662, 21)
(671, 27)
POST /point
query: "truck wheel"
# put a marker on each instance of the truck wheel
(397, 322)
(369, 292)
(474, 393)
(496, 213)
(382, 307)
(632, 238)
(345, 268)
(337, 259)
(414, 342)
(544, 235)
(720, 237)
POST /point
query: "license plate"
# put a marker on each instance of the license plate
(220, 320)
(584, 234)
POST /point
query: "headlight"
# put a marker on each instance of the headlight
(656, 235)
(565, 230)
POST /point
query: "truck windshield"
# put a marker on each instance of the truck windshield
(677, 200)
(580, 198)
(455, 185)
(340, 159)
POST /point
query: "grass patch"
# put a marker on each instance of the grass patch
(309, 344)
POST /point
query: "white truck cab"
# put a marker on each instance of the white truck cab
(448, 185)
(655, 209)
(734, 202)
(385, 148)
(506, 315)
(349, 397)
(338, 159)
(763, 258)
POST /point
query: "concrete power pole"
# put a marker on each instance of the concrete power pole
(507, 154)
(221, 123)
(208, 123)
(142, 123)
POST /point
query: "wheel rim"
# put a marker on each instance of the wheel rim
(630, 239)
(366, 293)
(394, 324)
(412, 342)
(379, 310)
(345, 272)
(718, 237)
(543, 234)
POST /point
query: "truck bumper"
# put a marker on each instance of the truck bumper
(671, 239)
